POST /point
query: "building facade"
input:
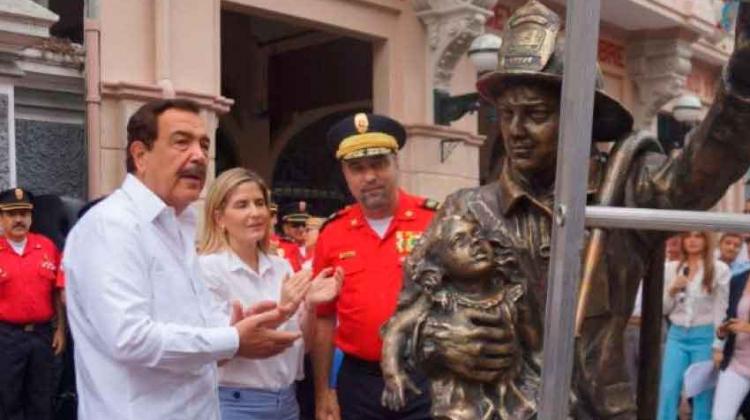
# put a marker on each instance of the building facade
(271, 76)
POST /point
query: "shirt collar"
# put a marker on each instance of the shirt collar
(513, 190)
(234, 263)
(403, 211)
(149, 205)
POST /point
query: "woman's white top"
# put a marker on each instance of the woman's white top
(693, 306)
(229, 279)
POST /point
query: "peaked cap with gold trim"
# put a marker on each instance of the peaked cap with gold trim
(533, 50)
(363, 135)
(16, 199)
(294, 212)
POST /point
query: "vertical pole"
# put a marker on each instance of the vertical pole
(649, 359)
(92, 34)
(577, 110)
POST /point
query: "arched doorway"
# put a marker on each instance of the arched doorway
(290, 83)
(307, 170)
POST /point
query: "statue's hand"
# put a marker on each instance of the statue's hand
(394, 395)
(477, 347)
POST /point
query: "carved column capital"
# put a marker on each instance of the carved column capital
(451, 27)
(659, 68)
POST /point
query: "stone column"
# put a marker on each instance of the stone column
(162, 56)
(659, 67)
(437, 159)
(451, 27)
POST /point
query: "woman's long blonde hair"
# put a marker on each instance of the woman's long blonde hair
(212, 237)
(707, 257)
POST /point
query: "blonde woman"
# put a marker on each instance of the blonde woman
(238, 267)
(696, 292)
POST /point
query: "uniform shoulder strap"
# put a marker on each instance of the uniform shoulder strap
(430, 204)
(334, 216)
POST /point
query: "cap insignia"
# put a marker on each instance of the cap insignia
(361, 123)
(19, 194)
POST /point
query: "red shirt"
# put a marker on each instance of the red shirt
(290, 252)
(27, 281)
(372, 266)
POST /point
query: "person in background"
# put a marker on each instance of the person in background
(696, 290)
(292, 241)
(730, 245)
(734, 380)
(31, 298)
(312, 230)
(673, 248)
(369, 239)
(237, 267)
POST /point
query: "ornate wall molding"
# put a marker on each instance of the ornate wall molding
(451, 26)
(23, 23)
(147, 92)
(659, 68)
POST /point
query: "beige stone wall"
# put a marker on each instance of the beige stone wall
(156, 48)
(152, 49)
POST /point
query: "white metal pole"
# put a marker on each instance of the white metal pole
(577, 110)
(670, 220)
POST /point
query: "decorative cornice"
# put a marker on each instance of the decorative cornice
(23, 23)
(451, 26)
(659, 68)
(147, 92)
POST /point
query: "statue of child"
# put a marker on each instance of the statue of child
(459, 275)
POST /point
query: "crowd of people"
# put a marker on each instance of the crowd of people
(224, 317)
(706, 309)
(239, 321)
(175, 317)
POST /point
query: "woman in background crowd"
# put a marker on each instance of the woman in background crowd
(696, 291)
(238, 268)
(734, 379)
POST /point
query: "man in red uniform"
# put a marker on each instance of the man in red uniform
(30, 297)
(292, 241)
(369, 240)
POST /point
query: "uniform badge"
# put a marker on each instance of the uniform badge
(406, 240)
(347, 254)
(361, 123)
(19, 194)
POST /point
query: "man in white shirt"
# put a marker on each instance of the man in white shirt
(147, 338)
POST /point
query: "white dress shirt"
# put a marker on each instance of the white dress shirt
(147, 337)
(230, 279)
(694, 307)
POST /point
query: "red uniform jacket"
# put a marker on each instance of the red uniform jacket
(372, 266)
(27, 281)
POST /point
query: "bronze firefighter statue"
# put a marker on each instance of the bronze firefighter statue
(482, 347)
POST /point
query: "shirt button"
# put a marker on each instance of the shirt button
(236, 395)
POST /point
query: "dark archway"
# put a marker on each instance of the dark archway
(307, 169)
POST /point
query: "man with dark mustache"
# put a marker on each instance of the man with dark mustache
(146, 329)
(30, 298)
(369, 240)
(526, 91)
